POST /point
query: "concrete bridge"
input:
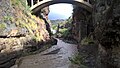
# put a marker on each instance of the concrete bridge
(36, 5)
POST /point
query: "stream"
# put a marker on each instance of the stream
(55, 57)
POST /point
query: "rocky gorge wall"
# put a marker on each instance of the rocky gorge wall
(107, 32)
(20, 31)
(82, 23)
(102, 25)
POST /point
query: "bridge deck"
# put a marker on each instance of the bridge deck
(36, 5)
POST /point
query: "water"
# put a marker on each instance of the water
(54, 57)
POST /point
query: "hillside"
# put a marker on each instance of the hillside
(20, 31)
(54, 22)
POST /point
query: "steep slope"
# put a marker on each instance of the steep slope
(20, 31)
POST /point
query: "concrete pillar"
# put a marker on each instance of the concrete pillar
(32, 3)
(38, 1)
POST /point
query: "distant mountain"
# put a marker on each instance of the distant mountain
(54, 16)
(57, 21)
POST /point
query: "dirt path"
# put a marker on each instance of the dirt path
(55, 57)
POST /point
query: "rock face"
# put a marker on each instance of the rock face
(105, 28)
(82, 23)
(19, 31)
(107, 31)
(43, 13)
(17, 21)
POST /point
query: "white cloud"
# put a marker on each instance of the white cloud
(64, 10)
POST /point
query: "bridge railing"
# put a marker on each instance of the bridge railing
(33, 2)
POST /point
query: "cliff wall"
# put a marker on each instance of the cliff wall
(20, 31)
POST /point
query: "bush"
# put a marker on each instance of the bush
(78, 60)
(54, 27)
(87, 41)
(64, 32)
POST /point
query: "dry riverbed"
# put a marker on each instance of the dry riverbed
(55, 57)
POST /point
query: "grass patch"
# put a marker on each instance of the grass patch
(63, 30)
(2, 25)
(21, 4)
(54, 27)
(8, 18)
(78, 60)
(87, 41)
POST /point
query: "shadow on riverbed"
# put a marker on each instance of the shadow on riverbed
(54, 57)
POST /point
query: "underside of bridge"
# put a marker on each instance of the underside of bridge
(37, 5)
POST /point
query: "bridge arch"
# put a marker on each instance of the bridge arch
(36, 5)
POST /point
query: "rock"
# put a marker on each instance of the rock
(2, 47)
(81, 24)
(107, 32)
(19, 30)
(6, 60)
(54, 41)
(0, 0)
(3, 51)
(87, 61)
(53, 52)
(14, 66)
(17, 48)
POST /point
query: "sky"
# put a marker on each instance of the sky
(60, 11)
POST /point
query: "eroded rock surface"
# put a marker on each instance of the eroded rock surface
(20, 31)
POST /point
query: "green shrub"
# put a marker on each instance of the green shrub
(63, 30)
(66, 33)
(54, 27)
(87, 41)
(8, 18)
(2, 25)
(78, 60)
(21, 4)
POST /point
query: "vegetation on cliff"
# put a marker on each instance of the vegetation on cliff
(102, 30)
(62, 28)
(20, 31)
